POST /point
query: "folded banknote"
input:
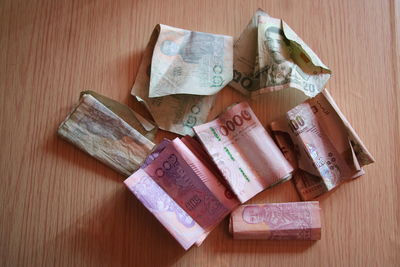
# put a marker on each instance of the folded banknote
(109, 131)
(269, 56)
(184, 187)
(177, 222)
(277, 221)
(321, 145)
(243, 151)
(179, 75)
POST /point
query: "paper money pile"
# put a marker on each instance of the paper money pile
(191, 183)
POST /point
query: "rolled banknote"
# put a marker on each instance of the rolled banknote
(244, 152)
(277, 221)
(321, 145)
(179, 74)
(269, 56)
(108, 131)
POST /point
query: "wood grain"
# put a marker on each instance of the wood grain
(60, 207)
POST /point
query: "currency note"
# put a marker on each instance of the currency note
(188, 62)
(321, 144)
(270, 56)
(108, 131)
(308, 186)
(180, 73)
(177, 222)
(277, 221)
(187, 180)
(169, 212)
(245, 154)
(194, 153)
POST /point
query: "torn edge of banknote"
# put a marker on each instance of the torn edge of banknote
(109, 131)
(177, 113)
(320, 169)
(270, 56)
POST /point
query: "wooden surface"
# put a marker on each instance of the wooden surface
(60, 207)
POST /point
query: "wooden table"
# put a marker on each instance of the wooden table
(60, 207)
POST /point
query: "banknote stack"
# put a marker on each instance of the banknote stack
(191, 183)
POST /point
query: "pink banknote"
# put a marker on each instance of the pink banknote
(319, 142)
(188, 199)
(244, 152)
(178, 223)
(187, 180)
(277, 221)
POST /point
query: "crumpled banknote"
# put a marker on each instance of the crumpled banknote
(269, 56)
(180, 73)
(321, 145)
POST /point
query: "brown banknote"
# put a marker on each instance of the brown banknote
(321, 145)
(277, 221)
(109, 131)
(180, 73)
(269, 56)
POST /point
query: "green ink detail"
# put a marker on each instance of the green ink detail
(229, 153)
(244, 175)
(215, 133)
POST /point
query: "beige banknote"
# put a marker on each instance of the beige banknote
(270, 56)
(277, 221)
(243, 151)
(180, 73)
(108, 131)
(321, 144)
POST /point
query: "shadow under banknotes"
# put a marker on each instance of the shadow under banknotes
(120, 233)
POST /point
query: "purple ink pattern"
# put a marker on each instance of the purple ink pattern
(155, 153)
(155, 199)
(147, 190)
(177, 178)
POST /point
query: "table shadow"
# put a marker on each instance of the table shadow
(119, 233)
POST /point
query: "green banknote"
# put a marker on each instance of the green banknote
(269, 56)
